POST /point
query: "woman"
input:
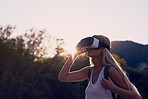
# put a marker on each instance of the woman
(99, 87)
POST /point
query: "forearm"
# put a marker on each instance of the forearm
(66, 68)
(127, 94)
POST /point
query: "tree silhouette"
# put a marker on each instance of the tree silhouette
(26, 74)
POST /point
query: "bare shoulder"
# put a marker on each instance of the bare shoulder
(117, 78)
(113, 71)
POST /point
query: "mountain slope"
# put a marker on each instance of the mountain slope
(133, 53)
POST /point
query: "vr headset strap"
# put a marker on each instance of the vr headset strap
(101, 44)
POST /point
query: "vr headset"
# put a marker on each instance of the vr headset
(91, 42)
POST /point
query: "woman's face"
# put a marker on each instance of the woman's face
(94, 52)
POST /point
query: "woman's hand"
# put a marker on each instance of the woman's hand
(108, 84)
(128, 94)
(79, 50)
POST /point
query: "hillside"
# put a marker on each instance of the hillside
(135, 54)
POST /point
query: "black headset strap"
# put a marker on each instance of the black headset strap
(101, 44)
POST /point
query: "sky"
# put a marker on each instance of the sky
(75, 19)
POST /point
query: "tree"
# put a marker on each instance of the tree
(21, 77)
(121, 61)
(59, 46)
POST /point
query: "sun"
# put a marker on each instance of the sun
(70, 48)
(70, 45)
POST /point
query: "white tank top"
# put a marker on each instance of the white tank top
(96, 91)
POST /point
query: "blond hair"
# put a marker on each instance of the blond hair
(108, 59)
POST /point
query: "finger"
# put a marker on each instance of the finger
(110, 79)
(104, 80)
(102, 84)
(101, 81)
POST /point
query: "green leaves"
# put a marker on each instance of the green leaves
(26, 74)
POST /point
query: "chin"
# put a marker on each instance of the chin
(90, 55)
(93, 55)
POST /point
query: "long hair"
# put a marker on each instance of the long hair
(108, 59)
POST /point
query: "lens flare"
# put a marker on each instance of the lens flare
(70, 45)
(71, 50)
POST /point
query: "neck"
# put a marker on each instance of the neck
(97, 62)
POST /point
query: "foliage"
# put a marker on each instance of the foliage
(121, 61)
(26, 74)
(139, 79)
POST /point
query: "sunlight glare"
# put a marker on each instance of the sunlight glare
(70, 46)
(70, 42)
(71, 49)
